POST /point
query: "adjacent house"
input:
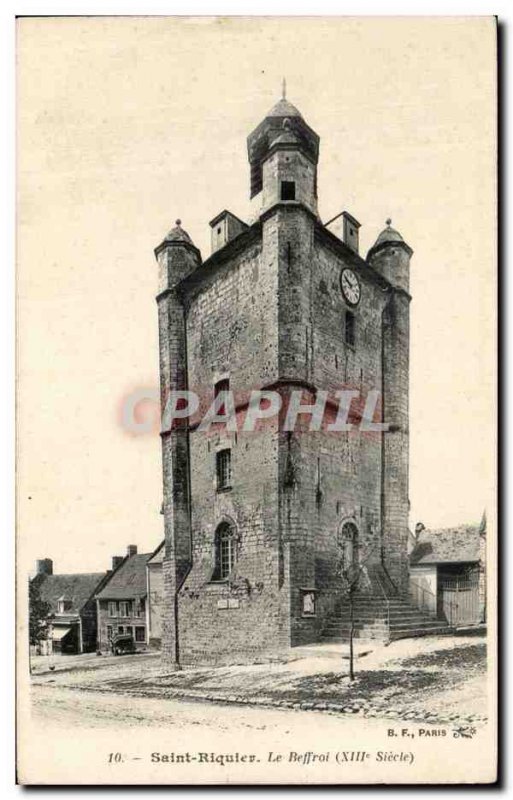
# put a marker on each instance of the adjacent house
(122, 602)
(71, 624)
(448, 572)
(155, 605)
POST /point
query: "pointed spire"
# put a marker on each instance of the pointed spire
(284, 89)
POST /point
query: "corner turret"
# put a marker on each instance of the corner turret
(177, 257)
(390, 256)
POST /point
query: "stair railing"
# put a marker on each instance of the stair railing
(387, 601)
(422, 606)
(419, 595)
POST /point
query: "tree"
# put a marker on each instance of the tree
(352, 571)
(39, 611)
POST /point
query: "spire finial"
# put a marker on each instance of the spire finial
(388, 222)
(178, 222)
(284, 89)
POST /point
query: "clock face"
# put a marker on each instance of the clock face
(350, 287)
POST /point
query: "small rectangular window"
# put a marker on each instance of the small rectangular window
(350, 328)
(109, 631)
(223, 469)
(221, 387)
(112, 609)
(288, 190)
(123, 609)
(140, 633)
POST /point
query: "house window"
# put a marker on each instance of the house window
(221, 387)
(123, 608)
(140, 633)
(109, 632)
(113, 609)
(224, 469)
(121, 629)
(137, 608)
(225, 551)
(288, 190)
(350, 324)
(64, 605)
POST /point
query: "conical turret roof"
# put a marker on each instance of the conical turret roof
(388, 234)
(177, 234)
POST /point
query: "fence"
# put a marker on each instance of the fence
(458, 600)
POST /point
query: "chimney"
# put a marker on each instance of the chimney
(225, 227)
(419, 527)
(131, 550)
(44, 566)
(350, 231)
(116, 561)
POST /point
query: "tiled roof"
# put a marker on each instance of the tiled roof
(284, 109)
(286, 137)
(388, 235)
(77, 588)
(446, 546)
(129, 580)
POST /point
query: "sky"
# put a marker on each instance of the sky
(125, 124)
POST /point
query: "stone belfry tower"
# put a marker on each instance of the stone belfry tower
(256, 523)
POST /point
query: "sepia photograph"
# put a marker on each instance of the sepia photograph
(256, 392)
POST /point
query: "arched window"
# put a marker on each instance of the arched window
(225, 551)
(348, 544)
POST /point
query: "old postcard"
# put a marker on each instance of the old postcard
(256, 393)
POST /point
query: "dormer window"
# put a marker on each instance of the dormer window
(288, 190)
(64, 605)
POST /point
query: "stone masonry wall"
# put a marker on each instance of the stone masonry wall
(337, 476)
(275, 313)
(232, 332)
(176, 260)
(156, 603)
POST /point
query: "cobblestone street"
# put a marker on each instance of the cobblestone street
(402, 681)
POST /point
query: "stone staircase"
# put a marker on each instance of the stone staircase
(380, 614)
